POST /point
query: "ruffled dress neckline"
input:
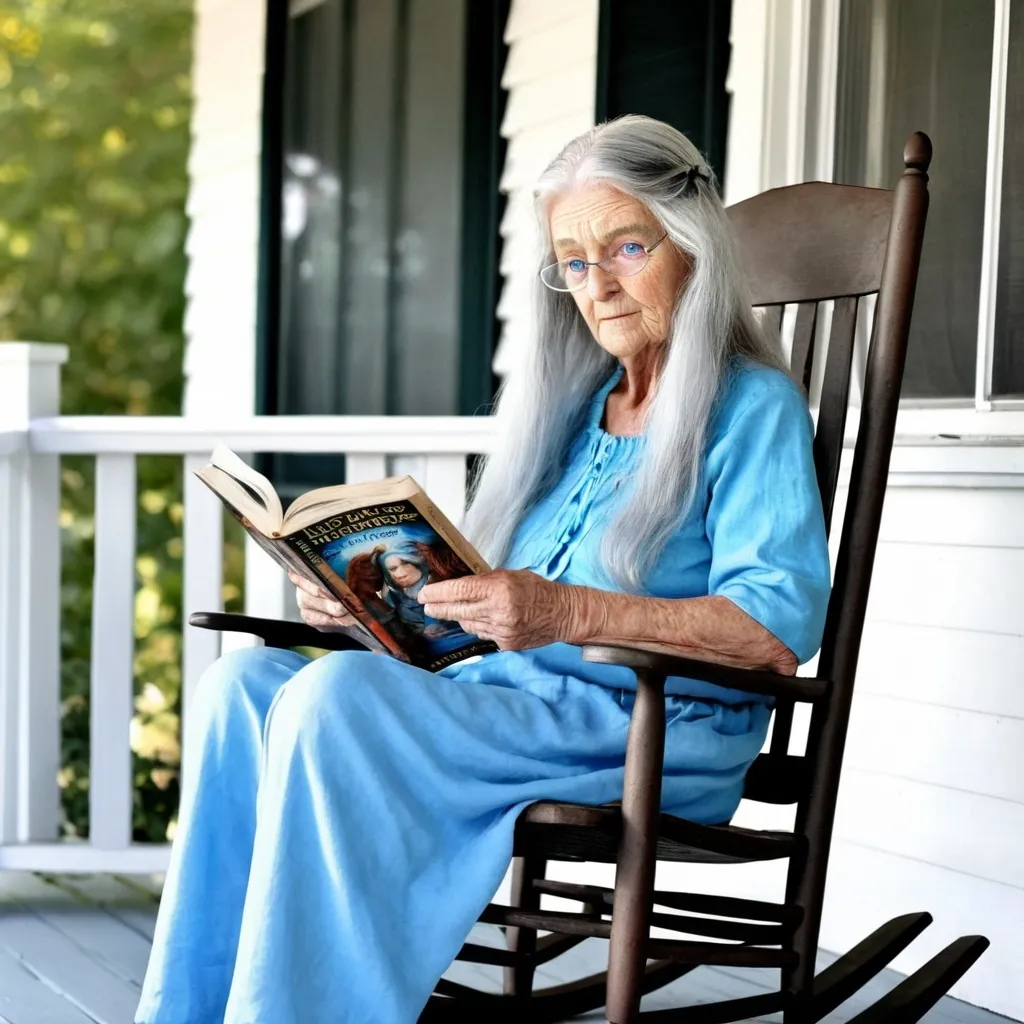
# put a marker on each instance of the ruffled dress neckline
(592, 426)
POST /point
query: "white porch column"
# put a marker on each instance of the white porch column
(30, 601)
(223, 243)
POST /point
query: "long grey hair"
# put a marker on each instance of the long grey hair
(543, 402)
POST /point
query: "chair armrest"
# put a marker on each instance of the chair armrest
(770, 684)
(275, 632)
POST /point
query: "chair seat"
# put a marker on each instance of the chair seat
(563, 831)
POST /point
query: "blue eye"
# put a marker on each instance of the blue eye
(576, 266)
(632, 249)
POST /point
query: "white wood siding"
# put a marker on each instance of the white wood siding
(223, 205)
(931, 807)
(550, 76)
(931, 811)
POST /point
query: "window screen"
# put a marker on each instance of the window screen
(925, 64)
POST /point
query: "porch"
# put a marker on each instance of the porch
(73, 950)
(70, 906)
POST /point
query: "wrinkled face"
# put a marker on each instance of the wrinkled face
(404, 573)
(625, 314)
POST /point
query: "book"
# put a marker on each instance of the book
(372, 546)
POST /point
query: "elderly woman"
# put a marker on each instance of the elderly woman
(346, 819)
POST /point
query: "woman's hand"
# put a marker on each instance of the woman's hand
(317, 607)
(517, 609)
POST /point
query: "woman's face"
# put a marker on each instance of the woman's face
(625, 314)
(404, 573)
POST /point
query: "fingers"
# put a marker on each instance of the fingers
(326, 622)
(308, 586)
(465, 598)
(317, 607)
(463, 588)
(452, 612)
(309, 594)
(325, 605)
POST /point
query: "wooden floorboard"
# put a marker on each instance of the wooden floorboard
(135, 907)
(73, 950)
(91, 960)
(25, 999)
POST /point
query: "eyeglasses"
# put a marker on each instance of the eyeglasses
(570, 275)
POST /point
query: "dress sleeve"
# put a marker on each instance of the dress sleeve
(769, 552)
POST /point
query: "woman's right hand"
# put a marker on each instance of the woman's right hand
(317, 607)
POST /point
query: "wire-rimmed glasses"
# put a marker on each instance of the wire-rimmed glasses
(570, 275)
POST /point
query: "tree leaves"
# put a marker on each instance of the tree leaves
(95, 106)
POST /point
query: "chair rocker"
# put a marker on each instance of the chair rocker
(804, 245)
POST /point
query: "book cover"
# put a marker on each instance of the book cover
(379, 557)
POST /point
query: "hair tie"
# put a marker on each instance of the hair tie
(691, 178)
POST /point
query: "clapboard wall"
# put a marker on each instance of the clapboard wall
(931, 814)
(550, 77)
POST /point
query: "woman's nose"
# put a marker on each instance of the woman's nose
(601, 284)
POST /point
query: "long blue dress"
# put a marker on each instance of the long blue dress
(346, 819)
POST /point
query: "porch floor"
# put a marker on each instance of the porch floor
(73, 950)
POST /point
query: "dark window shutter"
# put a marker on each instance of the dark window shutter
(668, 61)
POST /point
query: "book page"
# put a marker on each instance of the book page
(260, 490)
(315, 505)
(238, 500)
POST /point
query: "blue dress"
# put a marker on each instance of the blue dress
(345, 820)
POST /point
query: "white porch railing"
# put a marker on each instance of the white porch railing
(32, 439)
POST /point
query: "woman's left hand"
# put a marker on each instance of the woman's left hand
(515, 608)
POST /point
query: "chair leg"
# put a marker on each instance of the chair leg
(518, 980)
(634, 873)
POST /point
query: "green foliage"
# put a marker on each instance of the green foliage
(95, 104)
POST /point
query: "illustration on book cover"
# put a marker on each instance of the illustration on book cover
(386, 566)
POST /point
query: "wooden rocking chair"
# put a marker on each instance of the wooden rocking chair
(804, 244)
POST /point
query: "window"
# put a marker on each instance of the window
(905, 65)
(381, 226)
(928, 64)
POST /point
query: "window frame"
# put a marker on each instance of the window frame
(983, 399)
(795, 83)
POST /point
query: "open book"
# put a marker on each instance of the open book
(372, 546)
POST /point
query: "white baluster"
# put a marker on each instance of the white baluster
(9, 569)
(29, 389)
(204, 574)
(408, 465)
(364, 468)
(268, 594)
(444, 480)
(113, 635)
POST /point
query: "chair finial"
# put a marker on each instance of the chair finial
(917, 153)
